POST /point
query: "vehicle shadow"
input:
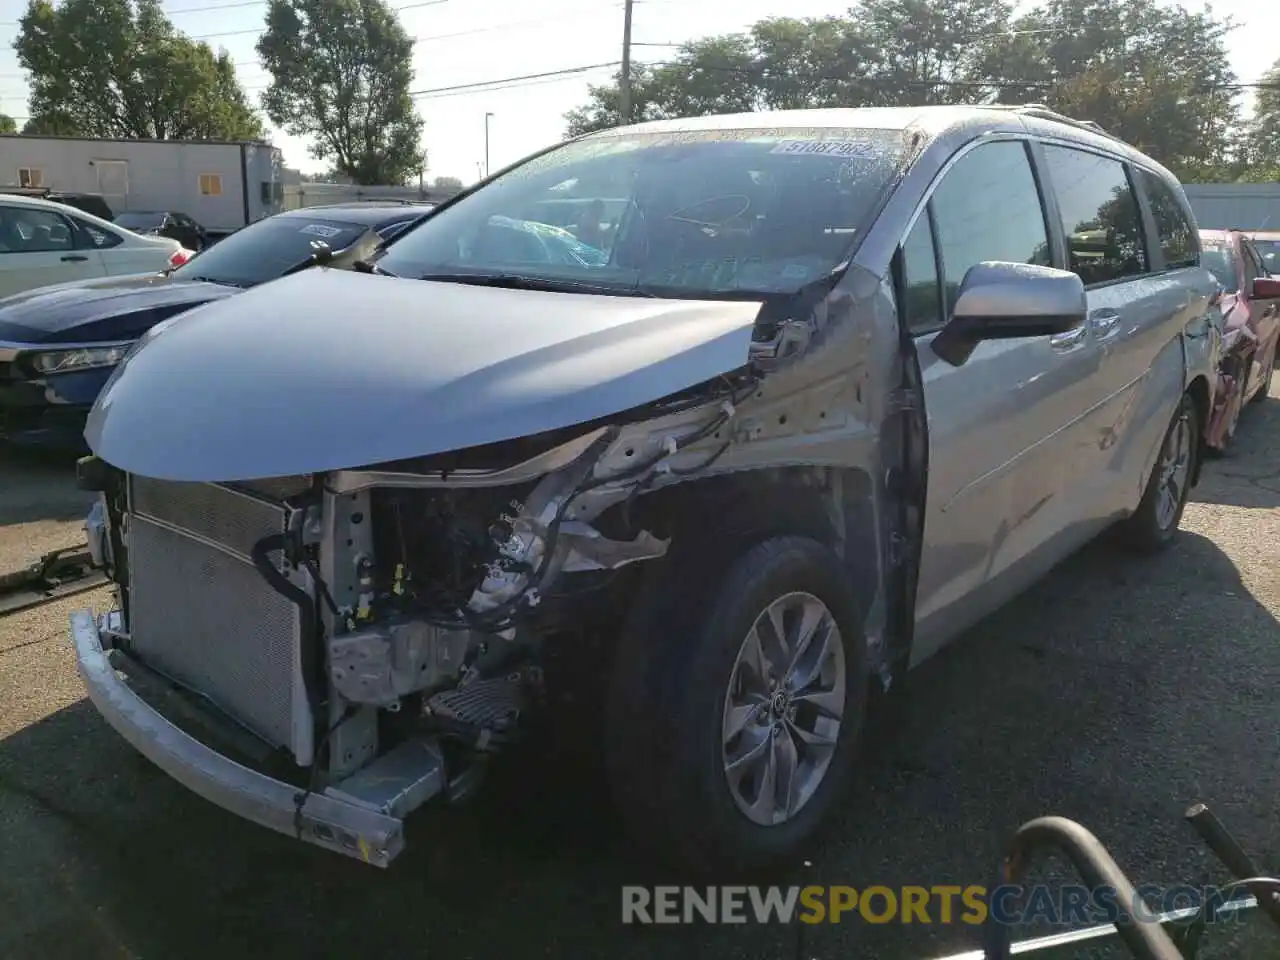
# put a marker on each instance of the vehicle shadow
(39, 485)
(1249, 474)
(1117, 692)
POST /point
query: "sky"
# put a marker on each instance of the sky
(476, 42)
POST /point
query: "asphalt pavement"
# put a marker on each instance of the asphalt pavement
(1117, 692)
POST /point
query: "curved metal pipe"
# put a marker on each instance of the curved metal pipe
(1096, 868)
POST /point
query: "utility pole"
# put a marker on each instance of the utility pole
(486, 143)
(624, 81)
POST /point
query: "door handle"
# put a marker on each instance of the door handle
(74, 258)
(1069, 339)
(1104, 323)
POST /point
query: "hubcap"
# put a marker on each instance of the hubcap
(783, 708)
(1175, 467)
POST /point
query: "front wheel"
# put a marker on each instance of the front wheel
(1155, 523)
(734, 720)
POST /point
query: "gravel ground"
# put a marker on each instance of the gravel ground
(1117, 692)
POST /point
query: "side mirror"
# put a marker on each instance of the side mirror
(1265, 288)
(1004, 301)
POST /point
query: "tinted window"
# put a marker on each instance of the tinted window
(922, 302)
(1220, 260)
(140, 222)
(31, 230)
(264, 250)
(97, 237)
(696, 212)
(988, 208)
(1177, 235)
(1099, 215)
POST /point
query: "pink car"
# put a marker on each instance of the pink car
(1251, 327)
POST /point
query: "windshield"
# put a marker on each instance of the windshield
(264, 250)
(1269, 250)
(139, 221)
(1221, 262)
(692, 213)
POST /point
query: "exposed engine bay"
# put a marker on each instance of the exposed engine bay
(427, 591)
(456, 588)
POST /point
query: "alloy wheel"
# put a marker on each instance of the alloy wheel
(783, 708)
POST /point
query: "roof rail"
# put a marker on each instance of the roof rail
(1042, 112)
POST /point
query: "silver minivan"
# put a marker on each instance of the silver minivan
(822, 390)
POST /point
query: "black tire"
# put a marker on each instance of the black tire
(1144, 530)
(669, 684)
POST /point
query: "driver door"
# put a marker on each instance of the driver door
(1004, 427)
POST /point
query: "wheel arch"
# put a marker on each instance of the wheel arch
(1200, 394)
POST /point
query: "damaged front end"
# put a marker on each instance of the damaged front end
(324, 653)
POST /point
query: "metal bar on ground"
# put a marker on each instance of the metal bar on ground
(1073, 939)
(1225, 848)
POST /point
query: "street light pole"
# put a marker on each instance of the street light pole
(486, 143)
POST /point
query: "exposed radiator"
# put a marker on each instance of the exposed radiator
(200, 613)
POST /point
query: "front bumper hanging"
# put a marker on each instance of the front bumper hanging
(345, 826)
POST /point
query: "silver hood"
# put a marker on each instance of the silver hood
(330, 369)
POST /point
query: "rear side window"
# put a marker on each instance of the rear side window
(97, 237)
(1099, 213)
(988, 208)
(1177, 236)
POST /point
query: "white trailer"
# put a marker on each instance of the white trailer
(221, 184)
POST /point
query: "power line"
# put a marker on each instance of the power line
(474, 31)
(464, 87)
(499, 83)
(245, 3)
(242, 33)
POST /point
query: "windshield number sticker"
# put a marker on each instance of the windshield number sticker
(320, 230)
(824, 148)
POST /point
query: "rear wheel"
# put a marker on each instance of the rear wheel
(733, 725)
(1155, 523)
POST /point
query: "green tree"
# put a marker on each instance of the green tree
(7, 124)
(341, 71)
(1264, 130)
(863, 59)
(116, 68)
(921, 52)
(1157, 76)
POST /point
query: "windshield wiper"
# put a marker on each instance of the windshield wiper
(514, 281)
(219, 282)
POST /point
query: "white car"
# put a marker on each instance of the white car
(43, 243)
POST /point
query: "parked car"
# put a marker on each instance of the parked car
(1267, 243)
(59, 345)
(94, 203)
(838, 391)
(166, 223)
(43, 243)
(1250, 308)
